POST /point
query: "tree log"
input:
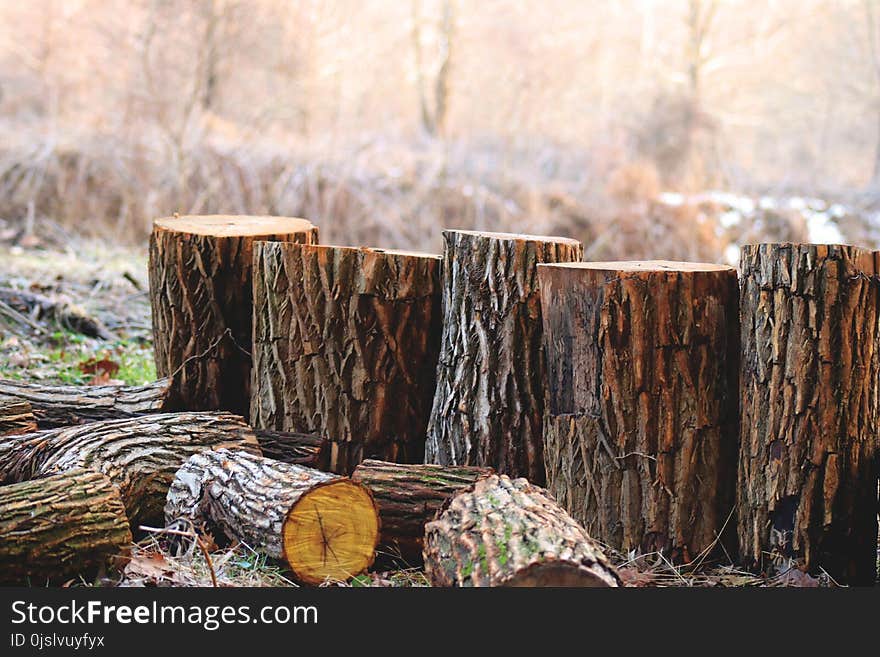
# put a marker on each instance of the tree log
(807, 487)
(408, 497)
(325, 527)
(16, 417)
(140, 455)
(306, 449)
(345, 345)
(507, 532)
(490, 380)
(201, 291)
(641, 428)
(60, 312)
(59, 527)
(60, 406)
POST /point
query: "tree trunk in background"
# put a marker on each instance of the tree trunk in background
(807, 469)
(324, 526)
(306, 449)
(507, 532)
(59, 527)
(200, 286)
(345, 345)
(16, 417)
(641, 426)
(490, 381)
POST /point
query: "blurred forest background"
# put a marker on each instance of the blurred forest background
(646, 128)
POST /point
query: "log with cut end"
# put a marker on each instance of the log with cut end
(200, 288)
(506, 532)
(307, 449)
(641, 427)
(807, 484)
(488, 408)
(59, 406)
(345, 345)
(67, 525)
(325, 527)
(408, 497)
(16, 416)
(140, 455)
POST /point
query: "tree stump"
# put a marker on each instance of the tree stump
(807, 486)
(16, 417)
(488, 408)
(201, 292)
(59, 527)
(641, 428)
(325, 527)
(345, 345)
(507, 532)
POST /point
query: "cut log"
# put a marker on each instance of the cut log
(641, 428)
(807, 487)
(140, 455)
(55, 311)
(507, 532)
(16, 417)
(68, 525)
(345, 345)
(200, 286)
(488, 408)
(408, 497)
(306, 449)
(60, 406)
(325, 527)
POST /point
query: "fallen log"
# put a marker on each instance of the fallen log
(507, 532)
(16, 416)
(67, 525)
(57, 311)
(408, 497)
(306, 449)
(325, 527)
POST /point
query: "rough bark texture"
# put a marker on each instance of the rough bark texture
(641, 427)
(306, 449)
(262, 503)
(140, 455)
(16, 417)
(61, 527)
(807, 471)
(345, 345)
(59, 406)
(200, 286)
(507, 532)
(408, 497)
(490, 380)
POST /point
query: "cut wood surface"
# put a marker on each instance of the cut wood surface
(488, 408)
(345, 345)
(641, 426)
(200, 287)
(409, 496)
(64, 526)
(16, 416)
(325, 527)
(307, 449)
(507, 532)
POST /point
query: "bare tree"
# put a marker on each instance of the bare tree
(433, 114)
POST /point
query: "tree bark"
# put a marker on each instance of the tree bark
(345, 345)
(807, 486)
(140, 455)
(201, 291)
(16, 417)
(68, 525)
(490, 380)
(325, 527)
(641, 428)
(408, 497)
(507, 532)
(307, 449)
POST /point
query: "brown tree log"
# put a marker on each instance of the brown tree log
(60, 406)
(55, 311)
(67, 525)
(490, 380)
(140, 455)
(807, 486)
(306, 449)
(507, 532)
(325, 527)
(408, 497)
(16, 417)
(345, 345)
(200, 286)
(641, 427)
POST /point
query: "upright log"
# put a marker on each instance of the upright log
(641, 427)
(345, 345)
(807, 470)
(16, 416)
(507, 532)
(490, 380)
(200, 287)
